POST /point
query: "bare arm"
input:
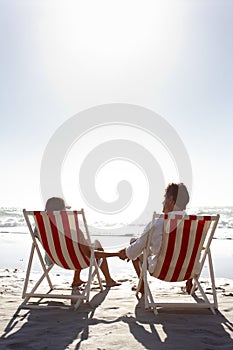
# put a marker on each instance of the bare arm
(101, 254)
(98, 253)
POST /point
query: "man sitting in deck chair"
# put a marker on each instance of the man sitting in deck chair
(56, 203)
(175, 200)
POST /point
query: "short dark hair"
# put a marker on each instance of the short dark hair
(179, 193)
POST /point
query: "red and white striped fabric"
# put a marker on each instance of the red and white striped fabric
(60, 236)
(182, 242)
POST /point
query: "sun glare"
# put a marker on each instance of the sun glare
(82, 41)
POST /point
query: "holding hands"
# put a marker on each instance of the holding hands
(122, 254)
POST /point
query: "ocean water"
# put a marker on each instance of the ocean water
(15, 242)
(12, 221)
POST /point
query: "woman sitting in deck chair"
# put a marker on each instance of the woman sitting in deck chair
(56, 203)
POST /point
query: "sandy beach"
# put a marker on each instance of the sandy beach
(113, 319)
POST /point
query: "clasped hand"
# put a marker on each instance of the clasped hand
(122, 254)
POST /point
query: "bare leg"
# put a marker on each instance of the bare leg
(137, 268)
(77, 280)
(110, 282)
(189, 285)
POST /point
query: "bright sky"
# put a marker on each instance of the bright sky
(61, 57)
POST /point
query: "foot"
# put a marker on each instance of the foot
(141, 290)
(112, 283)
(78, 283)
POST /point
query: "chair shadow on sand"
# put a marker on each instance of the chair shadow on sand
(60, 328)
(188, 329)
(54, 329)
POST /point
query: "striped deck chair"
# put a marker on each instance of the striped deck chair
(185, 246)
(59, 235)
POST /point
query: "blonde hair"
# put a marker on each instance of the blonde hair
(55, 203)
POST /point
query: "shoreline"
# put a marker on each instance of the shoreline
(15, 250)
(113, 319)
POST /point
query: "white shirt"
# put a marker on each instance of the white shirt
(136, 248)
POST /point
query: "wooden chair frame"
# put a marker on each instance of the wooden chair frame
(37, 248)
(203, 252)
